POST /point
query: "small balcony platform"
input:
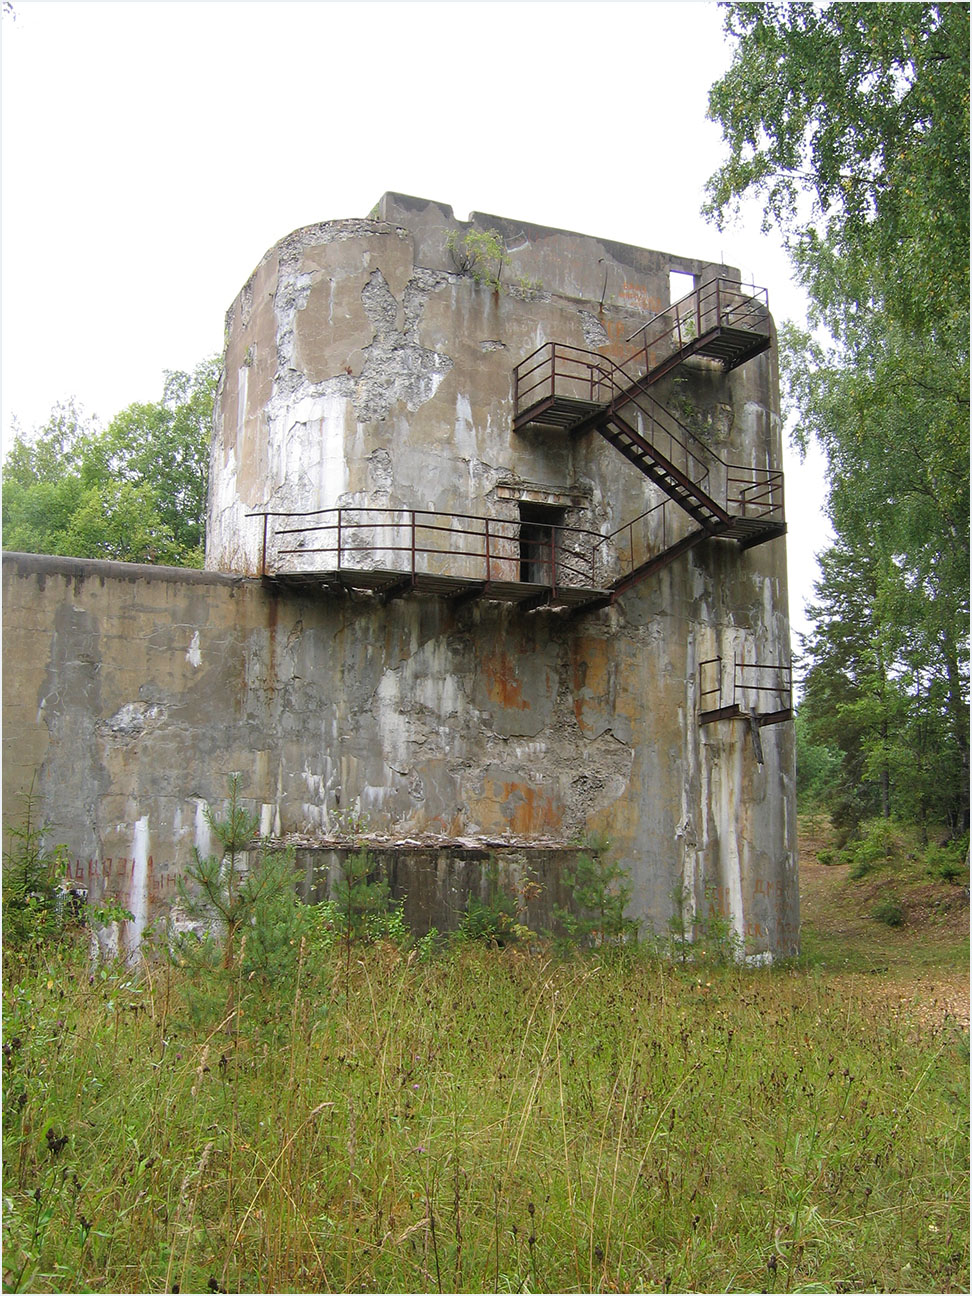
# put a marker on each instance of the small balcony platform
(759, 692)
(389, 584)
(565, 412)
(748, 532)
(735, 712)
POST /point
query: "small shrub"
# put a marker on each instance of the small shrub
(722, 943)
(429, 945)
(878, 844)
(680, 928)
(888, 911)
(480, 254)
(950, 870)
(495, 920)
(601, 892)
(245, 897)
(948, 862)
(362, 900)
(37, 905)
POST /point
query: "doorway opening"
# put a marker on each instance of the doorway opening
(539, 542)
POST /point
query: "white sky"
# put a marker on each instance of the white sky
(152, 152)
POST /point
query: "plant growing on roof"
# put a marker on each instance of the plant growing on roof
(481, 254)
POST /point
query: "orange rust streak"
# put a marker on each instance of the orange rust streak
(503, 686)
(534, 811)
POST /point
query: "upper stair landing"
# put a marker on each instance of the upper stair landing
(722, 319)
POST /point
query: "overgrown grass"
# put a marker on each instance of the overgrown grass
(486, 1120)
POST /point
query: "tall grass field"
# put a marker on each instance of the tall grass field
(476, 1120)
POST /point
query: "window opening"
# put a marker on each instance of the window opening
(539, 542)
(680, 285)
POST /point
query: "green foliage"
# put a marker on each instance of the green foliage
(716, 938)
(601, 893)
(480, 254)
(949, 862)
(701, 935)
(889, 912)
(363, 910)
(877, 844)
(495, 919)
(134, 492)
(680, 928)
(851, 123)
(36, 907)
(246, 898)
(817, 768)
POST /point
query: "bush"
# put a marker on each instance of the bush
(889, 911)
(38, 906)
(949, 861)
(878, 843)
(495, 920)
(601, 892)
(245, 897)
(362, 901)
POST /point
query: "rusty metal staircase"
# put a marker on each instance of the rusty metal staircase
(578, 390)
(388, 552)
(617, 431)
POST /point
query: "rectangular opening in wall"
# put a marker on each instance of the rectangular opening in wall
(539, 541)
(680, 285)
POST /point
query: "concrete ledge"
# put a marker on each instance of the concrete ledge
(29, 564)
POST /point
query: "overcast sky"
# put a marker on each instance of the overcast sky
(152, 152)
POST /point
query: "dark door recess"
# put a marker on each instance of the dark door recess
(539, 540)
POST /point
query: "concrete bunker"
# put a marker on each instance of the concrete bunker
(495, 566)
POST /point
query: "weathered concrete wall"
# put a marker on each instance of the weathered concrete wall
(434, 883)
(362, 369)
(134, 692)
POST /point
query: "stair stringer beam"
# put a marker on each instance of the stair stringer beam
(662, 472)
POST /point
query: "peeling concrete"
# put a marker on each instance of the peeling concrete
(362, 369)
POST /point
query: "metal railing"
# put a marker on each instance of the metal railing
(751, 682)
(645, 537)
(559, 369)
(556, 371)
(718, 303)
(570, 373)
(424, 542)
(755, 492)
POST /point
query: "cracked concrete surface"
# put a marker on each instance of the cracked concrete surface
(361, 369)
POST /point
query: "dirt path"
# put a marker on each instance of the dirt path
(920, 969)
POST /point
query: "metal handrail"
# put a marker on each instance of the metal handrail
(657, 414)
(715, 688)
(611, 385)
(759, 494)
(782, 686)
(569, 553)
(736, 305)
(599, 377)
(568, 355)
(638, 555)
